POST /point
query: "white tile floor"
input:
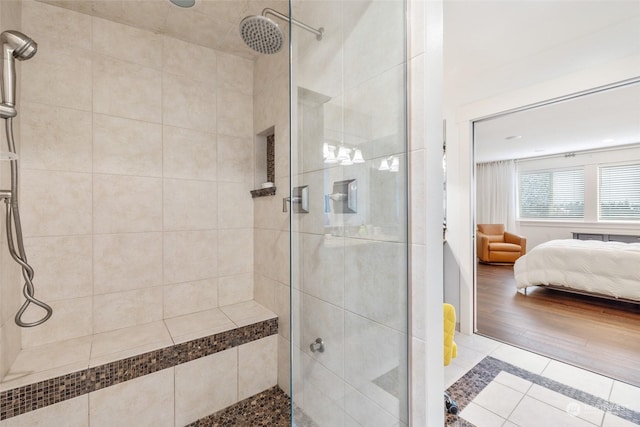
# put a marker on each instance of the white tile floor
(510, 401)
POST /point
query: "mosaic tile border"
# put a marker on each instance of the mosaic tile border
(271, 158)
(473, 382)
(271, 408)
(38, 395)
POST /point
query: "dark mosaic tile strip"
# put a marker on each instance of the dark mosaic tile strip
(44, 393)
(271, 408)
(473, 382)
(27, 398)
(271, 158)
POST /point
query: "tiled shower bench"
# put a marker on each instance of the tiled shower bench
(199, 369)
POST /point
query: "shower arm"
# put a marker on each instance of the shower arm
(318, 32)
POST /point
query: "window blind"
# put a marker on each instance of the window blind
(551, 194)
(619, 192)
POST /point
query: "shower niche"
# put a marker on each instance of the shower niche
(265, 171)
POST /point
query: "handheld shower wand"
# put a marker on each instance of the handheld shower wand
(16, 45)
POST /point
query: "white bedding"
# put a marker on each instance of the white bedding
(608, 268)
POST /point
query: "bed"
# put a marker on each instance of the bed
(606, 269)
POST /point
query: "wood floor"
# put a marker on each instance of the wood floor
(595, 334)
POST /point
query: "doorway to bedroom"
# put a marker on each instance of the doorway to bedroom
(565, 170)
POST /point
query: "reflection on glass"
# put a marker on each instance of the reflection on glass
(349, 253)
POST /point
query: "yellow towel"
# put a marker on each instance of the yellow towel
(450, 347)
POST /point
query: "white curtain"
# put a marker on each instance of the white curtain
(496, 193)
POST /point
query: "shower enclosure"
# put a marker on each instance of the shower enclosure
(349, 298)
(177, 296)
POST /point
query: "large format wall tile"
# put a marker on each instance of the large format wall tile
(55, 138)
(50, 75)
(122, 309)
(190, 255)
(126, 147)
(235, 159)
(49, 24)
(189, 205)
(235, 74)
(198, 390)
(387, 358)
(109, 38)
(126, 204)
(190, 297)
(375, 282)
(235, 116)
(235, 205)
(235, 289)
(124, 172)
(191, 61)
(63, 265)
(188, 103)
(127, 90)
(326, 321)
(71, 319)
(74, 412)
(323, 267)
(257, 366)
(145, 401)
(188, 154)
(235, 251)
(124, 262)
(55, 203)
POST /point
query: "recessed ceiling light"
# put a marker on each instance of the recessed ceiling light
(608, 140)
(183, 3)
(513, 137)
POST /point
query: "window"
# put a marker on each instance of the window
(552, 194)
(619, 192)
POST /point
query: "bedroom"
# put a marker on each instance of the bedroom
(570, 172)
(588, 50)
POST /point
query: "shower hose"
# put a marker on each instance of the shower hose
(19, 255)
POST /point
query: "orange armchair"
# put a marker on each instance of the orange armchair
(494, 245)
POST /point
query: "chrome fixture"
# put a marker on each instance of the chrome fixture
(183, 3)
(265, 36)
(317, 346)
(299, 200)
(16, 45)
(344, 196)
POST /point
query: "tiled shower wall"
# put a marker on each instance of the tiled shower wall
(271, 224)
(10, 296)
(136, 163)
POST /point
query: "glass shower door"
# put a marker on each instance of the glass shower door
(349, 333)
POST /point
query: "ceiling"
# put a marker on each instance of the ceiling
(602, 119)
(493, 47)
(209, 23)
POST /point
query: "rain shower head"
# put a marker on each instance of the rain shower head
(15, 45)
(261, 34)
(265, 36)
